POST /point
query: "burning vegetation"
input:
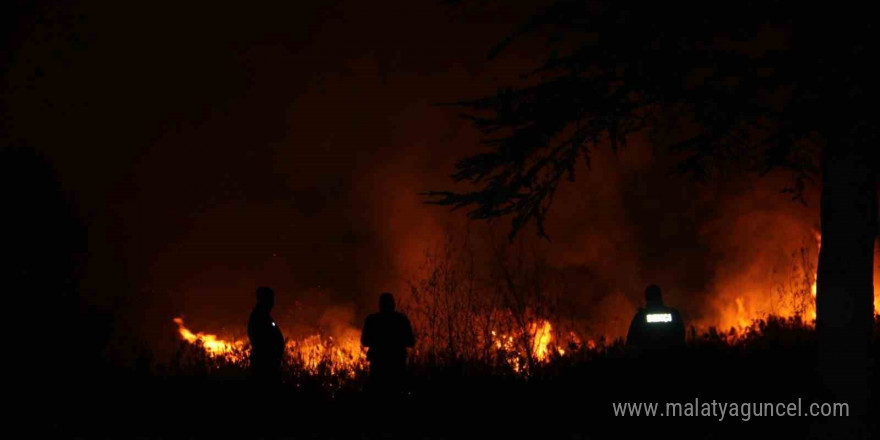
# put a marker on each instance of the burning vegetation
(338, 355)
(344, 356)
(513, 320)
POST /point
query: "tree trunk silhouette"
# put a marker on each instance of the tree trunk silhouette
(844, 300)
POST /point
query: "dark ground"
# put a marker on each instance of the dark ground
(566, 398)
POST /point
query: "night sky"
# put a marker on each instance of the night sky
(211, 149)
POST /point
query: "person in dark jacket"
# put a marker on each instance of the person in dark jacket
(656, 328)
(387, 334)
(267, 342)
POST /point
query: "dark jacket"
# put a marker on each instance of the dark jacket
(267, 342)
(387, 335)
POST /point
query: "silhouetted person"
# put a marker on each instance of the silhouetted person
(387, 334)
(267, 342)
(656, 328)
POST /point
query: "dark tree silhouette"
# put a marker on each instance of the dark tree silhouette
(754, 85)
(45, 250)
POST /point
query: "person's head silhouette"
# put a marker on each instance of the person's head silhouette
(265, 298)
(386, 302)
(653, 296)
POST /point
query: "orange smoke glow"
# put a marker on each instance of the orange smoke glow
(755, 296)
(877, 277)
(758, 301)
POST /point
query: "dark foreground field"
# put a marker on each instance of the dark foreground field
(568, 397)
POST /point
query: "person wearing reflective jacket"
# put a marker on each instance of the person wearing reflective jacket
(656, 327)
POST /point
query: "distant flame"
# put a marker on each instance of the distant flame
(745, 310)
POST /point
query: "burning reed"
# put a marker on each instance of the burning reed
(509, 313)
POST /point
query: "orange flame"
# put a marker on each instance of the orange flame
(744, 310)
(539, 337)
(213, 345)
(341, 355)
